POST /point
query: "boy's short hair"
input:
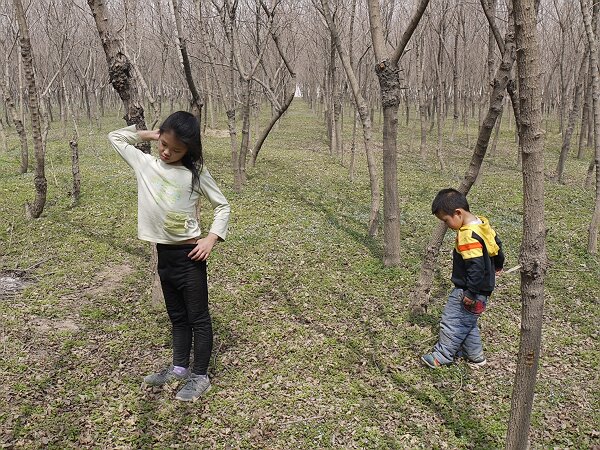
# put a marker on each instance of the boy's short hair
(449, 200)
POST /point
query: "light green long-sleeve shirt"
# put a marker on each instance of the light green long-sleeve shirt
(166, 210)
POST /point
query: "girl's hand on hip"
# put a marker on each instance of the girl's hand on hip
(203, 248)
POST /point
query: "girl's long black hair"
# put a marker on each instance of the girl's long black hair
(186, 128)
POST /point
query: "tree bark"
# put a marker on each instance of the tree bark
(532, 256)
(35, 209)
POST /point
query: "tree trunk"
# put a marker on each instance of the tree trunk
(196, 101)
(533, 247)
(420, 298)
(573, 114)
(120, 71)
(33, 210)
(16, 118)
(389, 82)
(591, 30)
(246, 94)
(388, 73)
(363, 113)
(584, 116)
(422, 105)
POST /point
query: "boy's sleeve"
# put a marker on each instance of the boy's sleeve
(221, 208)
(123, 141)
(470, 248)
(499, 258)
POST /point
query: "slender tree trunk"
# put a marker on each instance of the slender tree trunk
(573, 114)
(196, 101)
(532, 256)
(584, 117)
(16, 118)
(363, 114)
(422, 293)
(422, 103)
(33, 210)
(243, 154)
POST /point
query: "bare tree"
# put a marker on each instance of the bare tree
(388, 73)
(363, 112)
(573, 113)
(532, 256)
(591, 30)
(11, 109)
(120, 71)
(196, 101)
(35, 209)
(421, 296)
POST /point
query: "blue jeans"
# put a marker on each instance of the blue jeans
(458, 330)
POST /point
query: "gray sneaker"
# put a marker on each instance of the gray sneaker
(196, 386)
(165, 376)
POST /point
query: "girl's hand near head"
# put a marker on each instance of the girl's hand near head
(203, 247)
(149, 135)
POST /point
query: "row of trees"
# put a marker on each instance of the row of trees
(444, 61)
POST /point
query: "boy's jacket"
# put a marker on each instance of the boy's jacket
(476, 257)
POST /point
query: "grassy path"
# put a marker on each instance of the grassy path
(313, 346)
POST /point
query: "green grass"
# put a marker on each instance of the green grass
(314, 347)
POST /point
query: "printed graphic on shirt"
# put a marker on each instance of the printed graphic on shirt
(179, 223)
(166, 191)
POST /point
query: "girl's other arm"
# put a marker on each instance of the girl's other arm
(123, 142)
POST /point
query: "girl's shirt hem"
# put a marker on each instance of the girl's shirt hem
(166, 205)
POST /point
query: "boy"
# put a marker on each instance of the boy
(476, 259)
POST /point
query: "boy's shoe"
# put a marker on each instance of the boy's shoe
(167, 375)
(430, 361)
(474, 363)
(196, 386)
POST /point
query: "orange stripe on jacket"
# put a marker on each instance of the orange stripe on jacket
(469, 246)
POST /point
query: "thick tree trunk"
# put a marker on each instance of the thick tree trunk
(389, 82)
(388, 73)
(120, 70)
(573, 114)
(532, 256)
(421, 296)
(35, 209)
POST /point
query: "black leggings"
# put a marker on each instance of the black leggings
(186, 296)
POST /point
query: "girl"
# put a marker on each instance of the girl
(168, 190)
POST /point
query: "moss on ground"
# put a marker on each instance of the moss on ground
(314, 347)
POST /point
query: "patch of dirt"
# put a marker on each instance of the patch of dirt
(12, 282)
(109, 279)
(47, 325)
(216, 133)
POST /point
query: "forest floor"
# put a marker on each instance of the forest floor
(314, 346)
